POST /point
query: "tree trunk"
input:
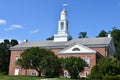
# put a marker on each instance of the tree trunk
(39, 72)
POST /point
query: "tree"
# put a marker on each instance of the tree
(14, 42)
(103, 33)
(116, 37)
(50, 38)
(74, 65)
(82, 35)
(106, 66)
(51, 66)
(70, 37)
(40, 59)
(5, 56)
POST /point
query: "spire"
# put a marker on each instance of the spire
(62, 34)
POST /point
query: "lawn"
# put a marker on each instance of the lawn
(5, 77)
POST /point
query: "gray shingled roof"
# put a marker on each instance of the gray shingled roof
(89, 42)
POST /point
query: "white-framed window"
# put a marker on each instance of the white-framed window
(65, 57)
(16, 72)
(66, 74)
(33, 74)
(86, 73)
(87, 60)
(75, 49)
(17, 57)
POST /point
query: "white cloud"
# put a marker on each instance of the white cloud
(2, 21)
(15, 26)
(34, 31)
(1, 40)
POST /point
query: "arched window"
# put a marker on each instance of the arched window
(62, 25)
(76, 49)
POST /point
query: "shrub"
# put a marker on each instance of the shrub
(111, 78)
(95, 76)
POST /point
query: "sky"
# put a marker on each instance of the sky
(36, 20)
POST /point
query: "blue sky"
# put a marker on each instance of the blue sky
(38, 19)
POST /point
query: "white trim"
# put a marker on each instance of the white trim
(16, 72)
(83, 49)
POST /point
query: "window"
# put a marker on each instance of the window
(76, 49)
(65, 57)
(33, 73)
(16, 72)
(85, 73)
(87, 60)
(17, 57)
(62, 25)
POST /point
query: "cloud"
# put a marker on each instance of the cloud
(1, 40)
(2, 21)
(34, 31)
(12, 27)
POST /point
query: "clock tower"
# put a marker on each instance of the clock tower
(62, 34)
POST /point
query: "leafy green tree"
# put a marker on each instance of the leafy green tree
(70, 37)
(106, 66)
(50, 38)
(14, 42)
(74, 65)
(116, 37)
(51, 66)
(5, 56)
(103, 33)
(82, 35)
(40, 59)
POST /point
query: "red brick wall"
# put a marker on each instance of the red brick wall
(102, 51)
(91, 56)
(13, 65)
(13, 60)
(23, 71)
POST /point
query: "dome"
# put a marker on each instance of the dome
(64, 12)
(63, 15)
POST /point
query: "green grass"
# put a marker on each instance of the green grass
(6, 77)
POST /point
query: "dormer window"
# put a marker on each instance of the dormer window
(75, 49)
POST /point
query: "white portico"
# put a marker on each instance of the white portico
(62, 34)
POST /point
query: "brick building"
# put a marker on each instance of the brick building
(89, 49)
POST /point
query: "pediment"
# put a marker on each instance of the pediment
(77, 48)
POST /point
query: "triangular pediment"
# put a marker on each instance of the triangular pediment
(77, 48)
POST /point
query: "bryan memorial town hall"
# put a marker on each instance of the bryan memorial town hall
(89, 49)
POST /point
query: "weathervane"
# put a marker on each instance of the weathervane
(64, 5)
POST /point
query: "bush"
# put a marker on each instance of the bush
(3, 73)
(95, 76)
(111, 78)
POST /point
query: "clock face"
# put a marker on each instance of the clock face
(62, 25)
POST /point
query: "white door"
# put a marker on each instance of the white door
(16, 71)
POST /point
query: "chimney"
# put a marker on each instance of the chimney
(25, 40)
(109, 35)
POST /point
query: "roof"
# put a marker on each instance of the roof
(89, 42)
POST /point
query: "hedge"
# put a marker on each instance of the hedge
(111, 78)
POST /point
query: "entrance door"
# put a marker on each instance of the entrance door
(16, 71)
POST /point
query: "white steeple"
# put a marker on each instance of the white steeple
(63, 15)
(62, 34)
